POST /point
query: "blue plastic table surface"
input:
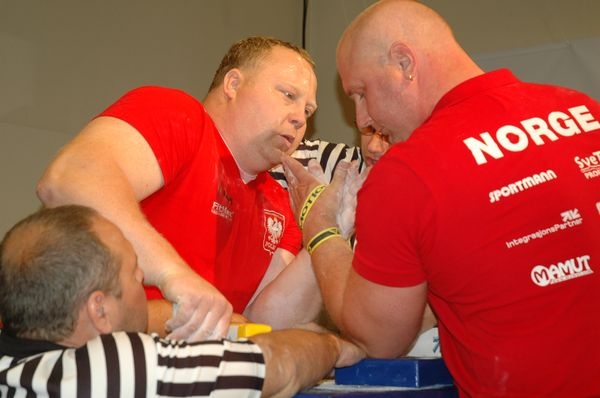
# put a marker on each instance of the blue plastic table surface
(402, 377)
(400, 372)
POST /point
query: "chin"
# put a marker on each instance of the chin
(293, 146)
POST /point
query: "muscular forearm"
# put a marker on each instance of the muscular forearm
(159, 311)
(156, 256)
(361, 309)
(331, 262)
(296, 359)
(290, 298)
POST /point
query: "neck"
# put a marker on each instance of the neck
(71, 341)
(245, 175)
(215, 107)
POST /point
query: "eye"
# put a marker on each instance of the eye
(308, 112)
(289, 95)
(367, 130)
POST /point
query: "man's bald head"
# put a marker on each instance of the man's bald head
(396, 60)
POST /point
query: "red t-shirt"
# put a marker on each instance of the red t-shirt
(495, 202)
(225, 229)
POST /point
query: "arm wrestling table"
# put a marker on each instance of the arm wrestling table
(403, 377)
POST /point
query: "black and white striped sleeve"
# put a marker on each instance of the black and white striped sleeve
(137, 365)
(210, 368)
(328, 154)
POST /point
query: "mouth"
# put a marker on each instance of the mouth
(289, 139)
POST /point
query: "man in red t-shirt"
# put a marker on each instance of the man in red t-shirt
(188, 184)
(487, 205)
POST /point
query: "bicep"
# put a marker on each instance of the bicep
(110, 152)
(383, 319)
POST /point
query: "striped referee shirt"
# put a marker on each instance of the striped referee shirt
(328, 154)
(130, 365)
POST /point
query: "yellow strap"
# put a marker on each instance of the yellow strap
(308, 203)
(321, 237)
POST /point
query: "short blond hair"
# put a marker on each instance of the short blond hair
(248, 52)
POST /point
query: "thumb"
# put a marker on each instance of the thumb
(339, 175)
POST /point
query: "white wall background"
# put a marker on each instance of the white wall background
(63, 61)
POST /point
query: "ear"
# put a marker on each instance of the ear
(402, 56)
(97, 312)
(231, 82)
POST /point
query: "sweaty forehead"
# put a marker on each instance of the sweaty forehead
(288, 67)
(282, 63)
(280, 54)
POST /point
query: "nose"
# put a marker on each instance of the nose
(298, 119)
(362, 122)
(377, 144)
(298, 124)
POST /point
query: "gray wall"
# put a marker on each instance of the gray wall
(553, 41)
(63, 61)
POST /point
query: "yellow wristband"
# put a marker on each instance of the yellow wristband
(321, 237)
(308, 203)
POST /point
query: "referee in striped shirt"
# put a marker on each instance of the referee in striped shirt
(73, 310)
(328, 154)
(373, 145)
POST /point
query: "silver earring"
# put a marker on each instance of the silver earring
(410, 77)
